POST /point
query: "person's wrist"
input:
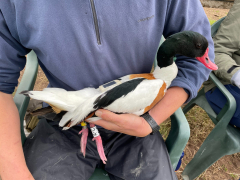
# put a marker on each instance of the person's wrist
(17, 176)
(147, 128)
(22, 172)
(152, 123)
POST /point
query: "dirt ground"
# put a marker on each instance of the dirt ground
(215, 13)
(227, 167)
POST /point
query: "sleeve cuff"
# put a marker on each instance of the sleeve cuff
(6, 91)
(189, 88)
(236, 78)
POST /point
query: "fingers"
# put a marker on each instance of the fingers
(107, 125)
(122, 120)
(109, 116)
(124, 123)
(108, 120)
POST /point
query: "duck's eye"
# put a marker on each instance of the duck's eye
(198, 45)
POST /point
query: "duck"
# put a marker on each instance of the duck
(140, 92)
(135, 94)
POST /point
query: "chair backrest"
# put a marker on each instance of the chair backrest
(27, 83)
(215, 26)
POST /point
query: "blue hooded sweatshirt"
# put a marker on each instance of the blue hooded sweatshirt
(88, 43)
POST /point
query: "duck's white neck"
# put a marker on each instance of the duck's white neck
(166, 73)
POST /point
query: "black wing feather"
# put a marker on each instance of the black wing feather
(117, 92)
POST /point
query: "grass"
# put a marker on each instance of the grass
(233, 176)
(212, 21)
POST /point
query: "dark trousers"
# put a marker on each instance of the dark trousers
(52, 153)
(217, 100)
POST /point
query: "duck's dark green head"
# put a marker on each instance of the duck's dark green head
(191, 44)
(187, 43)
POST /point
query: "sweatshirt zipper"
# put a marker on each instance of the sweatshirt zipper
(95, 22)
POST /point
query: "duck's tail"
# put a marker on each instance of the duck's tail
(49, 97)
(60, 99)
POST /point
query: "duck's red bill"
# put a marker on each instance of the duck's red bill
(206, 61)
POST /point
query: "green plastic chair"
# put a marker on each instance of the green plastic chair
(224, 139)
(176, 141)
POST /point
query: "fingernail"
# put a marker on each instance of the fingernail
(98, 113)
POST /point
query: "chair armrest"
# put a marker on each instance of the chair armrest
(230, 107)
(178, 136)
(27, 83)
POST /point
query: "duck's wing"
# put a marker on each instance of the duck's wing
(129, 97)
(141, 98)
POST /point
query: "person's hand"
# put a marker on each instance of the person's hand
(124, 123)
(236, 79)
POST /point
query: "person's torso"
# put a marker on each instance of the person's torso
(88, 43)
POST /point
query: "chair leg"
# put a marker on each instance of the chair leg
(217, 144)
(178, 136)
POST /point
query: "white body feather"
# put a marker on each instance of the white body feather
(137, 100)
(166, 74)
